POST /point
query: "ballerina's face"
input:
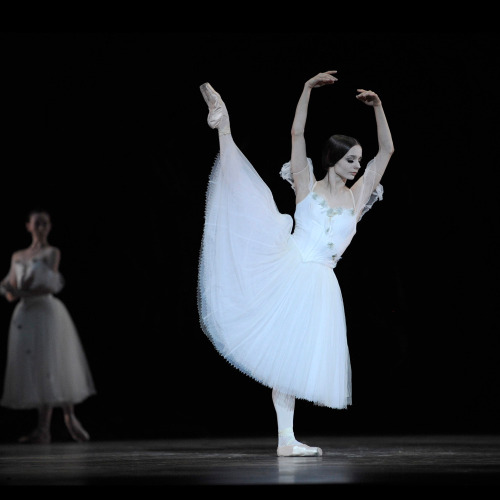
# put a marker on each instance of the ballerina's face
(39, 225)
(347, 167)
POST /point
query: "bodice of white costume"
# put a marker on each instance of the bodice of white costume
(322, 233)
(41, 273)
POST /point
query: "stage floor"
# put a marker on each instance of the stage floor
(452, 460)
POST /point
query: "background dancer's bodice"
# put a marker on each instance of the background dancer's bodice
(40, 273)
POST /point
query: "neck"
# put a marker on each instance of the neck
(333, 181)
(37, 244)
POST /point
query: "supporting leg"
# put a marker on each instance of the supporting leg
(288, 446)
(41, 435)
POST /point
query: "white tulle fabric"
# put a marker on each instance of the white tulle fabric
(46, 364)
(268, 299)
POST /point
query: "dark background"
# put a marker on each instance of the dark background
(108, 132)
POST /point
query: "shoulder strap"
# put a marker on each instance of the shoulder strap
(353, 200)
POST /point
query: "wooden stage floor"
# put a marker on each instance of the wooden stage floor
(402, 460)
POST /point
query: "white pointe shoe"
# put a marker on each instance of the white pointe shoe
(299, 451)
(217, 116)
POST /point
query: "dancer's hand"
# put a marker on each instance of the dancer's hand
(9, 291)
(321, 79)
(369, 97)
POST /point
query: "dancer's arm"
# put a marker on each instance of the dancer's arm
(54, 259)
(8, 286)
(298, 161)
(365, 185)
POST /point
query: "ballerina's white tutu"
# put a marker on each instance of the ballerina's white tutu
(268, 298)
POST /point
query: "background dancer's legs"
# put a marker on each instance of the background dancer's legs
(75, 428)
(41, 434)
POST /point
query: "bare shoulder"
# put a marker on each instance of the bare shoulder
(19, 255)
(53, 254)
(54, 251)
(52, 257)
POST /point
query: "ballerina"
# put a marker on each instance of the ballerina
(268, 297)
(46, 364)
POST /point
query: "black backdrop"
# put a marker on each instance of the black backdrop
(108, 132)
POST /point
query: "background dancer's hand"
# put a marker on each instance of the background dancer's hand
(9, 290)
(321, 79)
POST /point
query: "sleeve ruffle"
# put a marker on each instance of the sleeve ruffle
(286, 173)
(49, 279)
(376, 195)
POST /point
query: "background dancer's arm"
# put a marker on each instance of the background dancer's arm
(8, 284)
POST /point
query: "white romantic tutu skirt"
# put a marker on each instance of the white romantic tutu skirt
(46, 364)
(271, 315)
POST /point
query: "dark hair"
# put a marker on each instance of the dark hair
(335, 148)
(37, 210)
